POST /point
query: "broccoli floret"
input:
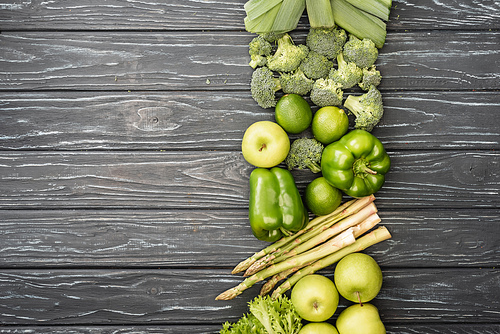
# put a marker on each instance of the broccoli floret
(316, 66)
(264, 87)
(296, 83)
(288, 56)
(362, 52)
(326, 92)
(367, 108)
(371, 77)
(305, 153)
(272, 37)
(259, 49)
(348, 74)
(326, 41)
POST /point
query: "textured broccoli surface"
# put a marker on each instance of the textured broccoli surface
(259, 49)
(272, 37)
(296, 82)
(316, 65)
(326, 92)
(288, 56)
(348, 74)
(264, 87)
(362, 52)
(371, 77)
(367, 108)
(305, 153)
(326, 41)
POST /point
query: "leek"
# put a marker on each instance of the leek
(320, 14)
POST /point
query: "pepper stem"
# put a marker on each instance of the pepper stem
(361, 166)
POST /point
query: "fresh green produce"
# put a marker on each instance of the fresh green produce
(264, 86)
(315, 298)
(358, 22)
(347, 74)
(259, 48)
(324, 241)
(360, 319)
(358, 278)
(265, 144)
(289, 15)
(293, 113)
(379, 8)
(318, 328)
(261, 15)
(305, 153)
(287, 56)
(361, 52)
(368, 108)
(316, 66)
(320, 14)
(296, 82)
(356, 163)
(321, 198)
(329, 124)
(326, 41)
(371, 77)
(267, 316)
(326, 92)
(275, 207)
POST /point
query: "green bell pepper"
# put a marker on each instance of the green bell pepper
(356, 163)
(275, 206)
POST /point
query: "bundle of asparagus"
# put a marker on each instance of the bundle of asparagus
(323, 242)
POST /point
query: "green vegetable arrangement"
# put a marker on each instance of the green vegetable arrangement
(266, 316)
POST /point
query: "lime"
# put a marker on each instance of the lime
(321, 197)
(293, 113)
(329, 124)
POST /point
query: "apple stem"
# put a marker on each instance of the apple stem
(262, 147)
(359, 298)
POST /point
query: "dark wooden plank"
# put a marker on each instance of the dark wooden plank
(223, 15)
(198, 329)
(418, 179)
(222, 238)
(151, 297)
(211, 61)
(204, 121)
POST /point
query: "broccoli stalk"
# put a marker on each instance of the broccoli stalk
(326, 92)
(327, 42)
(264, 87)
(305, 153)
(288, 56)
(296, 83)
(259, 48)
(367, 108)
(348, 74)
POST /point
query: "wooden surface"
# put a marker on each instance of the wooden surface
(123, 194)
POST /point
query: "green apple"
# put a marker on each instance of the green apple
(360, 319)
(318, 328)
(265, 144)
(315, 297)
(358, 277)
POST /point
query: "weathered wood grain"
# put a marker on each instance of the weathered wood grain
(213, 329)
(417, 179)
(222, 238)
(187, 297)
(204, 121)
(221, 15)
(114, 61)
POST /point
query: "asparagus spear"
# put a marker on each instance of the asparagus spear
(342, 240)
(372, 238)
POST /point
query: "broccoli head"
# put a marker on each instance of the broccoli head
(348, 74)
(288, 56)
(362, 52)
(305, 153)
(259, 49)
(326, 41)
(264, 87)
(371, 77)
(316, 66)
(272, 36)
(367, 108)
(296, 83)
(326, 92)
